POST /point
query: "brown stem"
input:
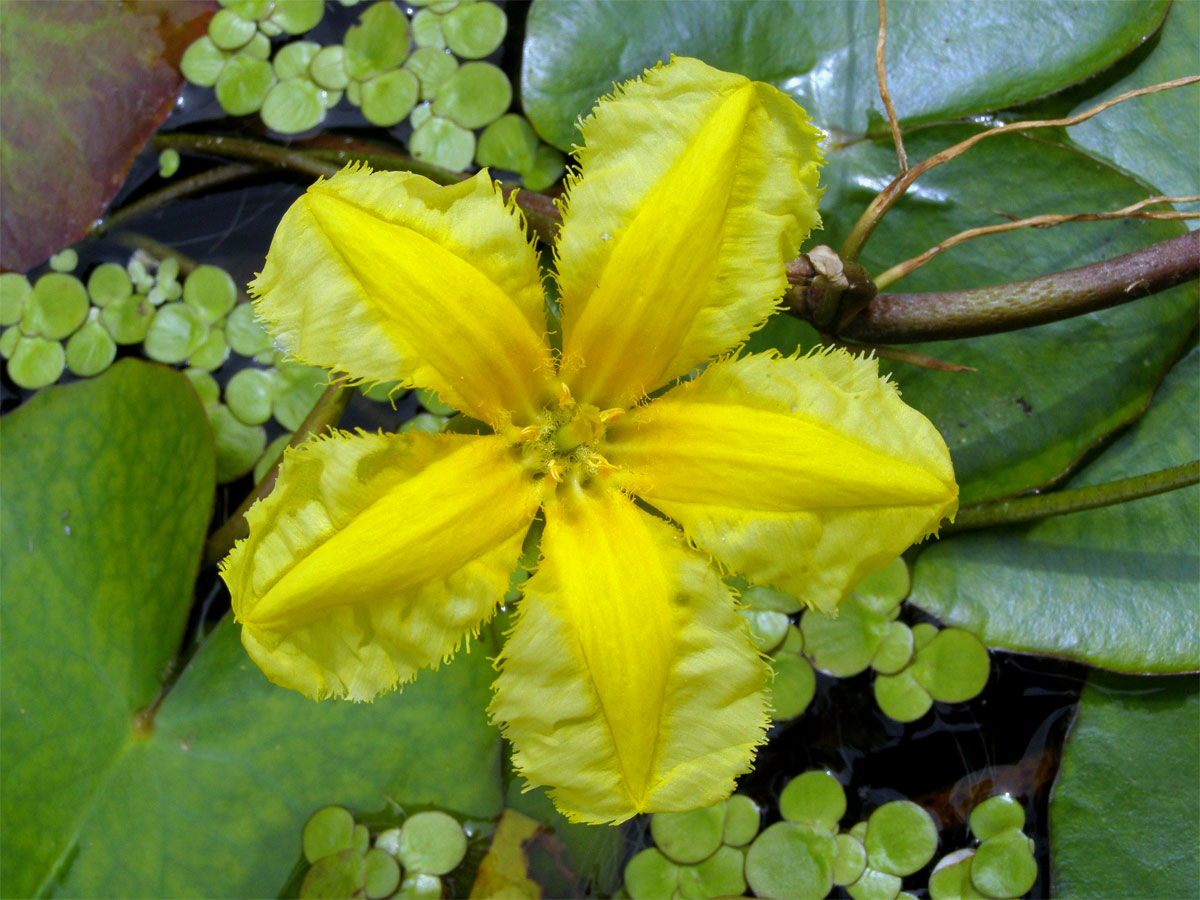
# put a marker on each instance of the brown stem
(895, 354)
(540, 212)
(1133, 211)
(884, 200)
(946, 315)
(884, 94)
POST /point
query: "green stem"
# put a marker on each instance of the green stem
(240, 148)
(326, 414)
(184, 187)
(1058, 503)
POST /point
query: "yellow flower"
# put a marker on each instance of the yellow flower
(629, 682)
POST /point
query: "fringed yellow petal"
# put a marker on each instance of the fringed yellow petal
(806, 474)
(629, 683)
(374, 555)
(389, 277)
(697, 187)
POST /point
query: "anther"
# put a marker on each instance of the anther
(608, 416)
(564, 395)
(600, 464)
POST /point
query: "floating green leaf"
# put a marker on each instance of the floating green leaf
(742, 818)
(388, 98)
(432, 67)
(790, 860)
(1114, 587)
(1003, 865)
(1123, 812)
(329, 830)
(476, 94)
(328, 68)
(650, 875)
(65, 260)
(996, 814)
(238, 445)
(107, 490)
(203, 61)
(14, 291)
(243, 84)
(210, 291)
(473, 30)
(234, 765)
(292, 60)
(431, 842)
(293, 105)
(36, 362)
(108, 283)
(443, 143)
(688, 837)
(250, 393)
(901, 838)
(1010, 425)
(378, 42)
(229, 31)
(176, 332)
(508, 143)
(57, 306)
(297, 16)
(814, 798)
(128, 319)
(91, 349)
(1153, 136)
(945, 61)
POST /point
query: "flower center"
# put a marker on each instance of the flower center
(561, 445)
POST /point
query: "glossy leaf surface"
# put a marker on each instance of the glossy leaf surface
(107, 489)
(945, 60)
(1041, 397)
(1113, 587)
(1123, 812)
(216, 798)
(103, 520)
(1145, 136)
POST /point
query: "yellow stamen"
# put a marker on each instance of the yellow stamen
(608, 416)
(600, 464)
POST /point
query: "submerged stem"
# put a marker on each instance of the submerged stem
(184, 187)
(1058, 503)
